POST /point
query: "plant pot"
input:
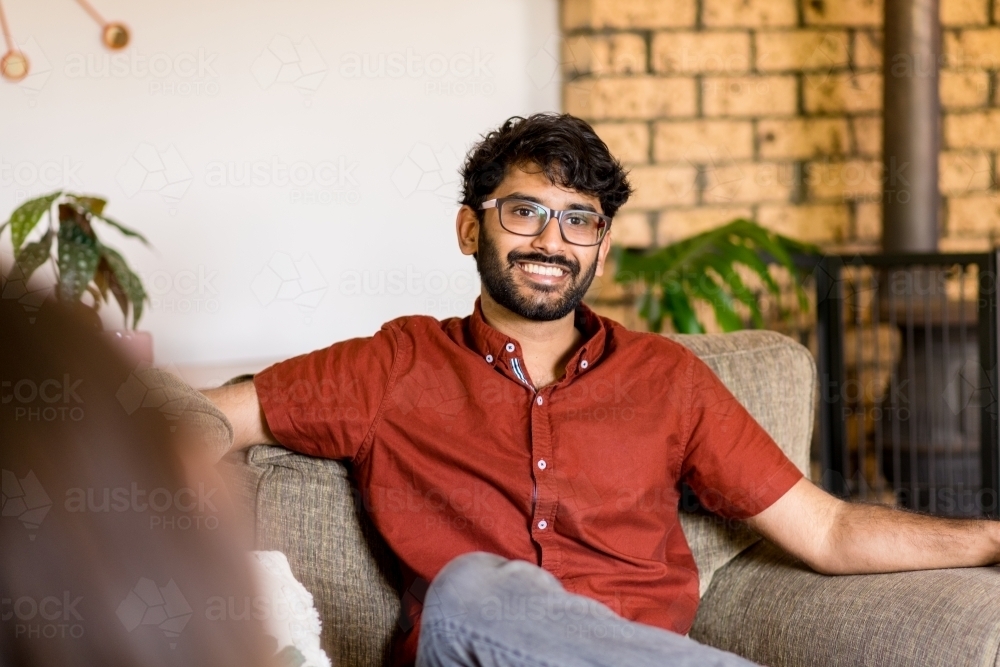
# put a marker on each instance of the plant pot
(136, 345)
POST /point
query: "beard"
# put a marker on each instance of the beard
(540, 303)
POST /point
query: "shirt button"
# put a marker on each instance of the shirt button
(583, 364)
(509, 347)
(489, 358)
(541, 464)
(543, 524)
(538, 400)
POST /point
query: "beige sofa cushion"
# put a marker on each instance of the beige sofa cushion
(774, 378)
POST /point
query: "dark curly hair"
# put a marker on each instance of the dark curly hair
(566, 148)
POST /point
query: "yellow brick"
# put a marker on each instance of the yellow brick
(868, 222)
(815, 223)
(800, 138)
(972, 49)
(628, 14)
(697, 52)
(843, 12)
(963, 172)
(749, 13)
(974, 216)
(677, 224)
(659, 186)
(640, 97)
(749, 96)
(623, 53)
(964, 12)
(867, 135)
(963, 88)
(750, 182)
(965, 244)
(972, 130)
(867, 49)
(850, 179)
(632, 230)
(853, 93)
(795, 50)
(629, 142)
(692, 141)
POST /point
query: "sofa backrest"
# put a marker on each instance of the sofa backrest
(308, 508)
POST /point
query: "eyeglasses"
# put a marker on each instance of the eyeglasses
(528, 218)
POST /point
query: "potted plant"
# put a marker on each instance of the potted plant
(81, 262)
(704, 267)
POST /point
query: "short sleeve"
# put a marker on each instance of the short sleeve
(731, 463)
(326, 402)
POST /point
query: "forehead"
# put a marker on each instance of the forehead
(530, 179)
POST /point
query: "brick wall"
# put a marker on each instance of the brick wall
(770, 109)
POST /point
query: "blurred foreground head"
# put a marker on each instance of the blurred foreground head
(111, 553)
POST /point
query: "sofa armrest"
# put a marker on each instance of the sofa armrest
(771, 609)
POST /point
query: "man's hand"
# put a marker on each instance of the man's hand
(836, 537)
(241, 406)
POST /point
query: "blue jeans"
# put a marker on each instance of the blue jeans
(483, 609)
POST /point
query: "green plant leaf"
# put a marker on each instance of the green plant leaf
(128, 282)
(687, 267)
(104, 270)
(34, 255)
(26, 217)
(78, 257)
(682, 314)
(123, 229)
(721, 304)
(92, 205)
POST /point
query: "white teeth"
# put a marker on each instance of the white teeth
(542, 270)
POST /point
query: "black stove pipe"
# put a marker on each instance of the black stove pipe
(911, 128)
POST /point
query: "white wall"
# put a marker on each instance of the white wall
(208, 88)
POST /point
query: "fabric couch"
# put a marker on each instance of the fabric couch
(756, 601)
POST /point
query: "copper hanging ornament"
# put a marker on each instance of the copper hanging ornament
(14, 65)
(115, 36)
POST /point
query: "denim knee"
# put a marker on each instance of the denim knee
(466, 581)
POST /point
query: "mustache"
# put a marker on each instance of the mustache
(572, 267)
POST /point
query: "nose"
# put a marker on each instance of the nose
(550, 241)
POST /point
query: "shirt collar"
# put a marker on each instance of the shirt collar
(496, 347)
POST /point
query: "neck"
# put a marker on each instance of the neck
(547, 346)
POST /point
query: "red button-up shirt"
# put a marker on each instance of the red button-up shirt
(454, 450)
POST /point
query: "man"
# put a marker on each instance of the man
(526, 459)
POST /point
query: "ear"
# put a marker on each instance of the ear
(602, 251)
(467, 228)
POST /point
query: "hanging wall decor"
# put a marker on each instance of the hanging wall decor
(14, 65)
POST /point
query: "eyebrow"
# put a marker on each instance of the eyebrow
(574, 206)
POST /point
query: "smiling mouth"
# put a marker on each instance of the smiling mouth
(544, 272)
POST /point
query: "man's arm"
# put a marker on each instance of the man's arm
(836, 537)
(240, 404)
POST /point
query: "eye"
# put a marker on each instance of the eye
(525, 211)
(579, 219)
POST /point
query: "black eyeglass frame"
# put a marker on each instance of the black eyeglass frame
(552, 214)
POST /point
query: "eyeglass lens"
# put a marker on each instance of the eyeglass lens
(528, 218)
